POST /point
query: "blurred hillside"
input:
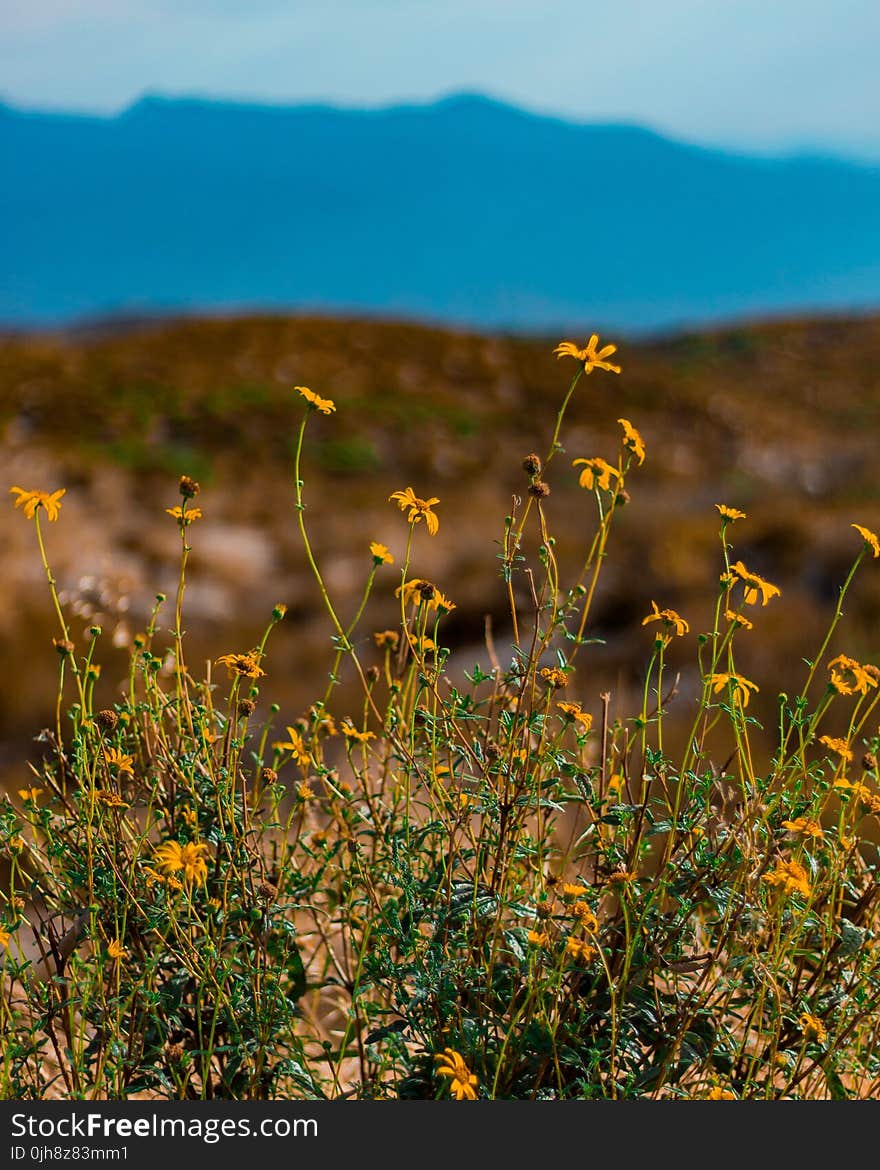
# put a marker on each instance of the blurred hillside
(465, 211)
(779, 420)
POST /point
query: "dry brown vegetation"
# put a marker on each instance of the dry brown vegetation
(777, 418)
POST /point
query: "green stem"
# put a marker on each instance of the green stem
(300, 508)
(53, 590)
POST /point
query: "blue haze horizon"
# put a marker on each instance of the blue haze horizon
(465, 211)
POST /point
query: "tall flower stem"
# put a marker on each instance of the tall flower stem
(53, 590)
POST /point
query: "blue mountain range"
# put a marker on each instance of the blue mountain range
(464, 211)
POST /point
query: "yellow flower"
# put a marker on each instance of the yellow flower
(837, 745)
(539, 938)
(116, 950)
(442, 603)
(632, 440)
(755, 586)
(419, 509)
(386, 639)
(117, 759)
(243, 665)
(173, 857)
(325, 405)
(555, 677)
(351, 732)
(579, 950)
(417, 590)
(593, 358)
(573, 710)
(325, 724)
(586, 917)
(728, 514)
(462, 1084)
(741, 687)
(596, 474)
(574, 890)
(670, 619)
(813, 1028)
(422, 646)
(717, 1093)
(869, 537)
(30, 794)
(168, 880)
(423, 592)
(186, 517)
(110, 799)
(737, 619)
(805, 827)
(848, 677)
(304, 791)
(615, 786)
(5, 936)
(295, 744)
(791, 876)
(381, 555)
(30, 501)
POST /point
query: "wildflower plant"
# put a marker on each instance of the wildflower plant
(472, 882)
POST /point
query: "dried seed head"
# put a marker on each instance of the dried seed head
(175, 1053)
(267, 890)
(869, 762)
(387, 639)
(372, 673)
(63, 646)
(426, 590)
(188, 487)
(623, 497)
(532, 464)
(107, 720)
(269, 776)
(539, 489)
(554, 677)
(246, 706)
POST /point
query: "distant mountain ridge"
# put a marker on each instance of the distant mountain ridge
(463, 211)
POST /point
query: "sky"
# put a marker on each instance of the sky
(762, 75)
